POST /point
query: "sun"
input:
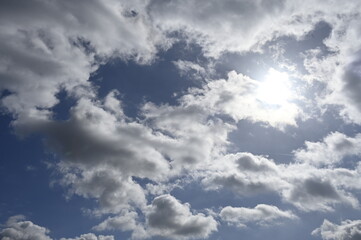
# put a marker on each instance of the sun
(275, 89)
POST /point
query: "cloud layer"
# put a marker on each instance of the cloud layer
(130, 165)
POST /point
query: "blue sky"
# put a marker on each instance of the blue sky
(220, 120)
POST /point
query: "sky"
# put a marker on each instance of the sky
(180, 119)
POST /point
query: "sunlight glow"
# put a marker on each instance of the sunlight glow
(275, 89)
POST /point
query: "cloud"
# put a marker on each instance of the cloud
(316, 194)
(244, 174)
(99, 148)
(169, 218)
(305, 186)
(339, 70)
(47, 47)
(237, 97)
(17, 228)
(125, 221)
(90, 236)
(188, 68)
(330, 151)
(262, 214)
(347, 230)
(231, 25)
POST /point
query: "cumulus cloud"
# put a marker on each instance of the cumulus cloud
(330, 151)
(17, 228)
(237, 97)
(305, 186)
(49, 46)
(99, 148)
(316, 194)
(168, 217)
(232, 25)
(245, 174)
(44, 51)
(347, 230)
(262, 214)
(340, 70)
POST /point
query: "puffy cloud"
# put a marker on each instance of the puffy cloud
(252, 163)
(244, 173)
(316, 194)
(347, 230)
(168, 217)
(305, 186)
(16, 228)
(232, 25)
(330, 151)
(125, 221)
(47, 47)
(100, 148)
(237, 96)
(51, 46)
(339, 70)
(262, 214)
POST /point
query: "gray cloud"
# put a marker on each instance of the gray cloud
(347, 230)
(169, 218)
(249, 162)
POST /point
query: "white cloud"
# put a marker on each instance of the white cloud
(330, 151)
(17, 228)
(347, 230)
(187, 68)
(237, 97)
(230, 25)
(49, 46)
(262, 214)
(306, 187)
(169, 218)
(244, 173)
(90, 236)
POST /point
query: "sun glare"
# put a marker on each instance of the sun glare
(275, 89)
